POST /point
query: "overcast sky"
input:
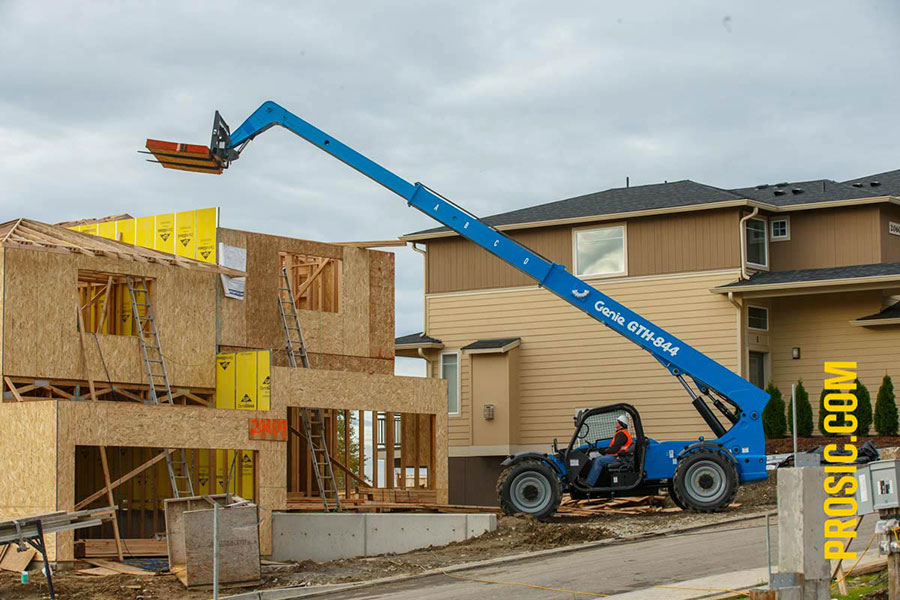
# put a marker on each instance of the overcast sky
(497, 105)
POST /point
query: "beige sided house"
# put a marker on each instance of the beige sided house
(771, 281)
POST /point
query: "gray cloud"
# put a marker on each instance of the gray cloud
(497, 105)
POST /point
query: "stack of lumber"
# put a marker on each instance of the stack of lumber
(131, 548)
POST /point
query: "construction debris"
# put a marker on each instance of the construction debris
(618, 506)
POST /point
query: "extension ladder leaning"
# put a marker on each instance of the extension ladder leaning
(155, 365)
(313, 418)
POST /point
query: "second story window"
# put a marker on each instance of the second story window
(600, 251)
(780, 229)
(757, 243)
(315, 281)
(450, 372)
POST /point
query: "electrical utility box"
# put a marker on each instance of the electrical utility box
(884, 479)
(864, 491)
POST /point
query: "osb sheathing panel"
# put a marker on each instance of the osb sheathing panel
(357, 391)
(138, 425)
(255, 321)
(2, 271)
(381, 304)
(28, 461)
(40, 335)
(330, 362)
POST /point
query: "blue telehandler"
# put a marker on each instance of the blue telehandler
(701, 475)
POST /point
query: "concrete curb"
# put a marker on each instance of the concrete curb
(296, 593)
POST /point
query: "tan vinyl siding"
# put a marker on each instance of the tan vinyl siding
(569, 361)
(834, 237)
(677, 243)
(701, 241)
(456, 264)
(819, 326)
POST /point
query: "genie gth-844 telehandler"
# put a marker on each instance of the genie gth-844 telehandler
(700, 475)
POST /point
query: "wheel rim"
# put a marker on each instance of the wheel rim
(531, 492)
(706, 481)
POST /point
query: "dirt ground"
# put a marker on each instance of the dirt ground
(783, 445)
(514, 535)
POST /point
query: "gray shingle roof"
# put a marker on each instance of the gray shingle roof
(804, 192)
(414, 339)
(491, 344)
(891, 312)
(617, 200)
(803, 275)
(880, 184)
(687, 193)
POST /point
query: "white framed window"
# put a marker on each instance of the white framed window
(780, 229)
(599, 251)
(758, 318)
(757, 243)
(450, 372)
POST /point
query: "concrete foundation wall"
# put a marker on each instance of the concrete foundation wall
(322, 537)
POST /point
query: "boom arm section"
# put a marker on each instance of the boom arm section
(711, 380)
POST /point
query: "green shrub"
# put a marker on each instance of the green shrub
(838, 421)
(863, 412)
(804, 412)
(774, 423)
(887, 421)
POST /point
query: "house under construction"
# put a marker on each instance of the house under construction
(132, 374)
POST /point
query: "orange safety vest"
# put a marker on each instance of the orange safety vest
(627, 444)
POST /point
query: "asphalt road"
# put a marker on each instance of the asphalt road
(603, 570)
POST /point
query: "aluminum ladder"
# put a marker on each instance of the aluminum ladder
(158, 376)
(313, 418)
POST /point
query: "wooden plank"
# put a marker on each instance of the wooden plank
(96, 571)
(346, 414)
(375, 448)
(121, 480)
(112, 502)
(351, 474)
(361, 429)
(133, 548)
(16, 561)
(12, 388)
(118, 567)
(305, 286)
(389, 473)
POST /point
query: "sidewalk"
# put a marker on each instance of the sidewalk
(721, 587)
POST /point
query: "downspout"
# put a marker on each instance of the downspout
(424, 254)
(421, 352)
(744, 242)
(740, 332)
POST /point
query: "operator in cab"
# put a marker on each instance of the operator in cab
(619, 445)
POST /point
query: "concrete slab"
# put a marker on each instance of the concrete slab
(477, 524)
(323, 537)
(397, 532)
(317, 536)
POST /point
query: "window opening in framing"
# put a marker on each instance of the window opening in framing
(315, 281)
(106, 303)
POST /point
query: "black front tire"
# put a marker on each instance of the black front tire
(705, 481)
(531, 488)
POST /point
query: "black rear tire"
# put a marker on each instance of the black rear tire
(529, 487)
(674, 497)
(705, 481)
